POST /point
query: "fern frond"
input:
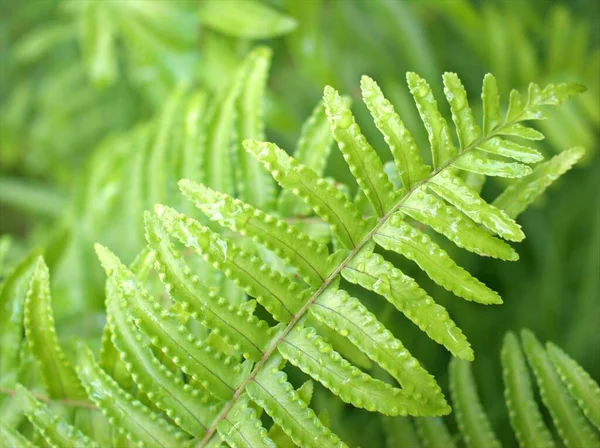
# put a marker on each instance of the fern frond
(347, 316)
(471, 418)
(242, 427)
(365, 164)
(455, 191)
(276, 432)
(280, 295)
(525, 417)
(406, 155)
(329, 203)
(438, 199)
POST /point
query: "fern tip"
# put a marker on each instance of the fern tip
(466, 354)
(160, 209)
(251, 145)
(365, 79)
(451, 75)
(577, 151)
(108, 260)
(263, 52)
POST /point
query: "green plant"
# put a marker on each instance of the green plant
(568, 392)
(193, 364)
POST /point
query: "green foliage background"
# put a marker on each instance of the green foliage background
(79, 77)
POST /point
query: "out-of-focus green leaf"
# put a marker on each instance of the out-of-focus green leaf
(247, 19)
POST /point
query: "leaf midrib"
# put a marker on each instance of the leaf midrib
(337, 271)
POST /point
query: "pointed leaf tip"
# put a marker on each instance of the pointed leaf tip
(108, 260)
(160, 209)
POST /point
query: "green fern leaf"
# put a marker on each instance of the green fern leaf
(406, 155)
(141, 426)
(454, 190)
(478, 163)
(247, 19)
(374, 273)
(241, 427)
(185, 405)
(341, 344)
(276, 432)
(512, 150)
(462, 116)
(518, 130)
(515, 199)
(56, 432)
(400, 237)
(278, 294)
(472, 420)
(346, 315)
(307, 256)
(442, 148)
(110, 360)
(278, 398)
(59, 375)
(364, 163)
(580, 384)
(254, 184)
(432, 211)
(327, 202)
(525, 417)
(205, 306)
(305, 349)
(491, 104)
(572, 426)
